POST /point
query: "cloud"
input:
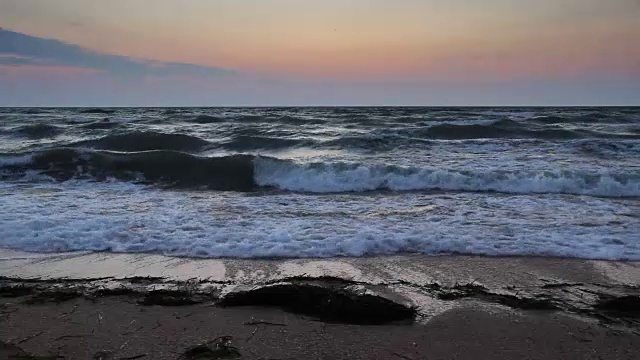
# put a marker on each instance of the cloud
(18, 49)
(16, 60)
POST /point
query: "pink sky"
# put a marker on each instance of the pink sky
(410, 45)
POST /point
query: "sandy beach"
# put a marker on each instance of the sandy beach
(126, 306)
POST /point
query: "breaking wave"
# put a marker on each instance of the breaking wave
(355, 177)
(248, 173)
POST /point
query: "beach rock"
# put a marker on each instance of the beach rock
(324, 303)
(628, 304)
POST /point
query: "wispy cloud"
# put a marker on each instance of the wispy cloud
(18, 49)
(17, 60)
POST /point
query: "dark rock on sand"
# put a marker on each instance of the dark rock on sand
(15, 291)
(627, 305)
(170, 298)
(219, 348)
(57, 296)
(325, 304)
(479, 292)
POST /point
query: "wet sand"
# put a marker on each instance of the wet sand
(110, 306)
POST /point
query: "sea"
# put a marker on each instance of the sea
(307, 182)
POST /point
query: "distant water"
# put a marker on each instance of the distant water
(322, 182)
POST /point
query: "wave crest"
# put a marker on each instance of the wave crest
(498, 129)
(355, 177)
(39, 130)
(248, 173)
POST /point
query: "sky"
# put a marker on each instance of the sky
(309, 52)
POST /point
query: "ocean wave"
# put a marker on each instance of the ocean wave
(356, 177)
(39, 130)
(34, 111)
(597, 117)
(212, 119)
(206, 119)
(162, 167)
(551, 119)
(455, 131)
(97, 111)
(298, 120)
(498, 129)
(513, 130)
(175, 111)
(370, 142)
(249, 172)
(521, 114)
(607, 148)
(144, 141)
(101, 124)
(257, 142)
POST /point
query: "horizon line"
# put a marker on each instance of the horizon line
(318, 106)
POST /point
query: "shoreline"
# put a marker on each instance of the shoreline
(404, 306)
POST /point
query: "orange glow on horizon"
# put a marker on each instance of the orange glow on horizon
(358, 40)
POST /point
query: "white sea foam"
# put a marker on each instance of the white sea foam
(354, 177)
(79, 216)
